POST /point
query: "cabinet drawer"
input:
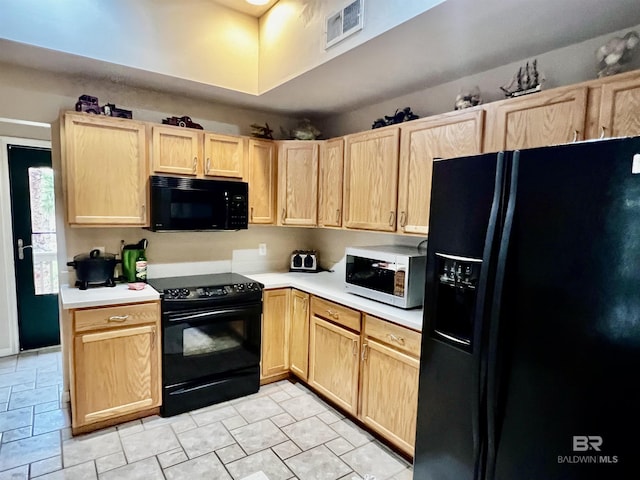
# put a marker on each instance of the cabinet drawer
(399, 337)
(336, 313)
(115, 317)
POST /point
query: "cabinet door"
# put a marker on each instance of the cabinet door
(444, 136)
(619, 108)
(299, 338)
(275, 333)
(540, 119)
(105, 163)
(371, 180)
(116, 372)
(176, 150)
(262, 182)
(297, 183)
(390, 393)
(223, 155)
(334, 363)
(330, 183)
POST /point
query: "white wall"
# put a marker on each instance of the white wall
(564, 66)
(292, 33)
(197, 40)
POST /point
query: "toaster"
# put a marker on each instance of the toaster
(304, 261)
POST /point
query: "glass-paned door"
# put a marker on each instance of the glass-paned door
(35, 251)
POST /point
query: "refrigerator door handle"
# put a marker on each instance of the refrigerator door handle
(493, 362)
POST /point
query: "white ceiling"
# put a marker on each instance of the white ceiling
(244, 7)
(454, 39)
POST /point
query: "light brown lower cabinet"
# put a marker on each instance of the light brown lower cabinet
(299, 334)
(116, 363)
(274, 362)
(389, 389)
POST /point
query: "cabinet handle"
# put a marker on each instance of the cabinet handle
(118, 318)
(153, 338)
(575, 136)
(333, 314)
(392, 218)
(284, 214)
(208, 167)
(602, 131)
(143, 207)
(403, 218)
(338, 216)
(364, 351)
(355, 348)
(195, 164)
(251, 214)
(395, 338)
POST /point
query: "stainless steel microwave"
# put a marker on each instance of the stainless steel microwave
(392, 274)
(195, 204)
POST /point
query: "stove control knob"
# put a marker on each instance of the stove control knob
(184, 293)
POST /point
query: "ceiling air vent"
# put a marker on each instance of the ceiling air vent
(343, 23)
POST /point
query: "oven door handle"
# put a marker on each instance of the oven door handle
(208, 314)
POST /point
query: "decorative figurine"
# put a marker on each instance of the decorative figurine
(405, 115)
(89, 104)
(615, 53)
(468, 99)
(526, 80)
(182, 122)
(304, 131)
(259, 131)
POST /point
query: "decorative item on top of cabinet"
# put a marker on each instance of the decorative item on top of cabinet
(449, 135)
(330, 183)
(334, 346)
(115, 362)
(615, 53)
(261, 177)
(274, 363)
(303, 131)
(525, 81)
(468, 99)
(404, 115)
(105, 169)
(390, 372)
(547, 118)
(184, 122)
(298, 183)
(619, 106)
(259, 131)
(299, 334)
(371, 180)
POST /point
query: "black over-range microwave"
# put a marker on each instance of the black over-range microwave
(195, 204)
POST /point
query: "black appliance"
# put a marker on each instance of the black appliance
(195, 204)
(531, 335)
(94, 269)
(211, 327)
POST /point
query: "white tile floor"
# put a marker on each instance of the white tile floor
(282, 432)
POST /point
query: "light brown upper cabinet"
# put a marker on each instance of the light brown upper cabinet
(176, 150)
(371, 180)
(620, 107)
(444, 136)
(261, 176)
(330, 183)
(546, 118)
(105, 165)
(224, 155)
(297, 183)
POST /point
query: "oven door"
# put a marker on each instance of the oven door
(210, 341)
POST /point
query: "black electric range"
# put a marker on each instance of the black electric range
(211, 326)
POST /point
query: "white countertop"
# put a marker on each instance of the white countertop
(73, 297)
(330, 285)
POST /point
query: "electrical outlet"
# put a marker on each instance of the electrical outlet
(102, 250)
(262, 249)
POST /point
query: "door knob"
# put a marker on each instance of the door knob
(21, 247)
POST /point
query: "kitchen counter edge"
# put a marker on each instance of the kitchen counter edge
(73, 297)
(328, 286)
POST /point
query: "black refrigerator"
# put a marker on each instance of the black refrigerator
(530, 366)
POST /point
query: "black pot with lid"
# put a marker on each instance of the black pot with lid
(94, 269)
